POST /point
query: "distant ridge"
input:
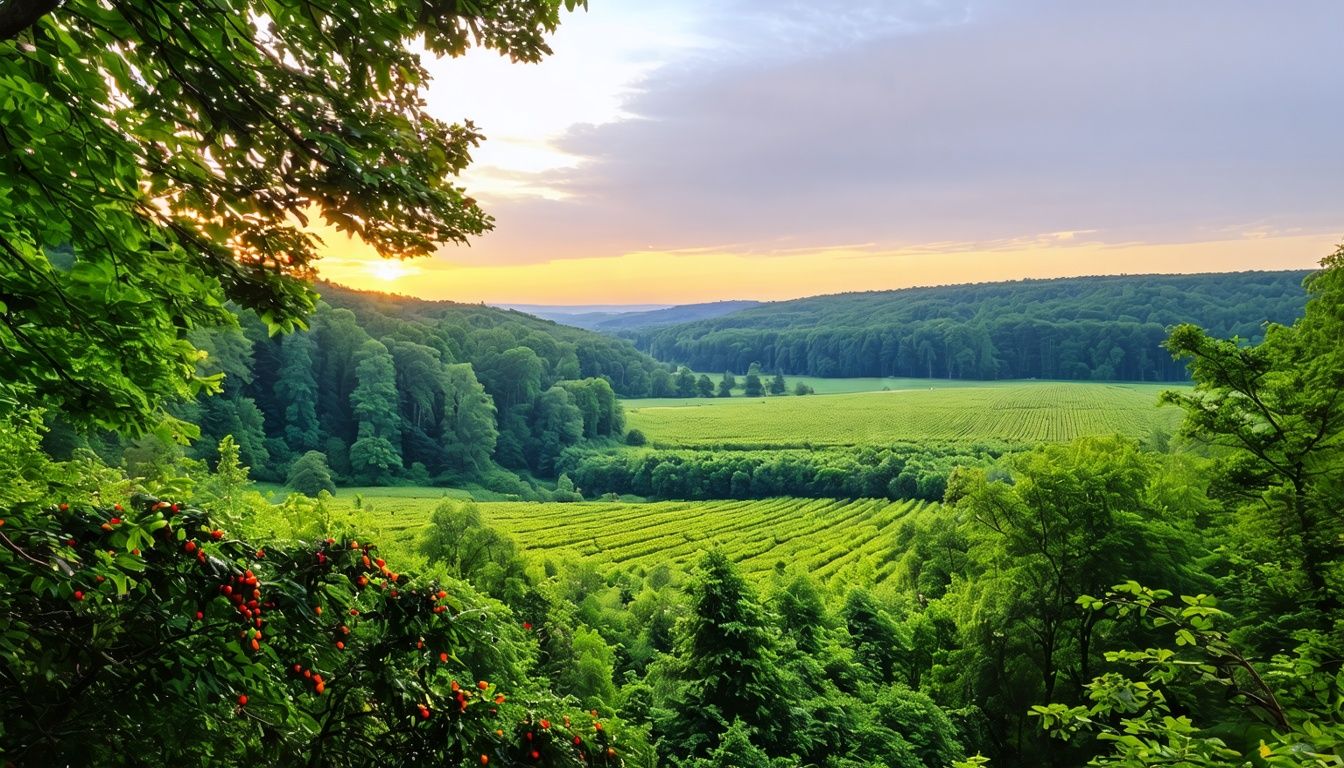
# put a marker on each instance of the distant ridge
(1078, 328)
(613, 319)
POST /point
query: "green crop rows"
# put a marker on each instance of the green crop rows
(826, 537)
(1018, 412)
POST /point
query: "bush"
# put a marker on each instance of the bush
(635, 437)
(166, 637)
(309, 475)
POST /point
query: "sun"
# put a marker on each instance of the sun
(390, 270)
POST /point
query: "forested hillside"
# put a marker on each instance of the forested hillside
(391, 388)
(1101, 328)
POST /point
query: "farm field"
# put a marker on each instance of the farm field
(830, 538)
(1015, 412)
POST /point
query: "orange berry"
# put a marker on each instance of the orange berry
(485, 759)
(443, 657)
(317, 609)
(482, 685)
(320, 688)
(545, 723)
(340, 646)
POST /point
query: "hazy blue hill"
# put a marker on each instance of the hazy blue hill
(1108, 328)
(616, 319)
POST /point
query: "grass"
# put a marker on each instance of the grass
(1014, 412)
(832, 539)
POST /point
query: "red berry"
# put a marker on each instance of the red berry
(443, 657)
(190, 546)
(217, 534)
(63, 507)
(536, 755)
(115, 521)
(578, 740)
(340, 646)
(79, 595)
(424, 711)
(242, 700)
(545, 723)
(199, 615)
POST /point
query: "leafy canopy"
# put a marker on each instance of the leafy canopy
(159, 159)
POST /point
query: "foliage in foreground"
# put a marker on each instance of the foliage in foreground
(158, 159)
(143, 632)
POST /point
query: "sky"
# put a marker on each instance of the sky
(678, 151)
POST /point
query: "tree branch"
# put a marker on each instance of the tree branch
(18, 15)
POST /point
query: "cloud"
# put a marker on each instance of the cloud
(791, 125)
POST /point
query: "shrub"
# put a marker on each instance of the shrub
(310, 476)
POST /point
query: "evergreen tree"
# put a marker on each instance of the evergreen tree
(726, 384)
(726, 666)
(735, 750)
(374, 457)
(752, 386)
(296, 392)
(777, 385)
(469, 432)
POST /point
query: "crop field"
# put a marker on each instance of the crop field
(828, 537)
(1013, 412)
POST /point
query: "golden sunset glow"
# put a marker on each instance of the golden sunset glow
(647, 277)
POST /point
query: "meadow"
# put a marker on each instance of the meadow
(1012, 412)
(829, 538)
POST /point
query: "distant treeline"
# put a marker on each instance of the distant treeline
(900, 471)
(1099, 328)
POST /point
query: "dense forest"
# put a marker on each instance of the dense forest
(1102, 328)
(390, 388)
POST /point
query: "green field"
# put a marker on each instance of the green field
(828, 537)
(1018, 412)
